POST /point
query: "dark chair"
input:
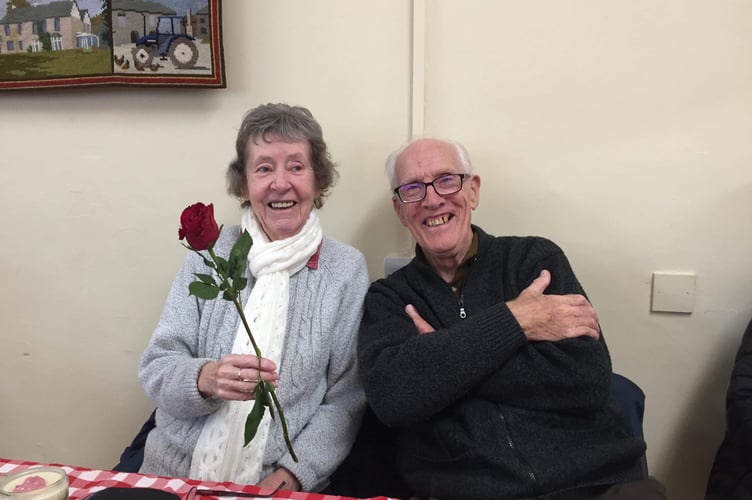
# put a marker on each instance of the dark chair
(133, 454)
(369, 470)
(630, 400)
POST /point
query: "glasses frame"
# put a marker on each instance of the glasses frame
(462, 177)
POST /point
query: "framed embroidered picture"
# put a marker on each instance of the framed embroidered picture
(147, 43)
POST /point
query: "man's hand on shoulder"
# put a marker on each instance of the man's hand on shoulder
(553, 317)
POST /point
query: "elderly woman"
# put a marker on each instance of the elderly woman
(304, 301)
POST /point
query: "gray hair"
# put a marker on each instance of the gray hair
(291, 123)
(391, 161)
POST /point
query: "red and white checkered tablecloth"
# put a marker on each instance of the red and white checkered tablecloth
(83, 482)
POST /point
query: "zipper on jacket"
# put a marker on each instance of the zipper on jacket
(461, 304)
(510, 443)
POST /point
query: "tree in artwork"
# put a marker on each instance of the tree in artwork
(15, 4)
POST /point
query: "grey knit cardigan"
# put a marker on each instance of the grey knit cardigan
(318, 387)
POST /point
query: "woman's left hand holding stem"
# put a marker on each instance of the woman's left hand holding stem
(235, 376)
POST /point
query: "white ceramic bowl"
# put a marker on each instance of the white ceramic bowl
(37, 483)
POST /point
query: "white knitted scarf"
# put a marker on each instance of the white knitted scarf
(219, 454)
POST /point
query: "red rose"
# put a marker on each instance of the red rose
(198, 226)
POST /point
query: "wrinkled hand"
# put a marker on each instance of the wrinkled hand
(421, 324)
(235, 376)
(553, 317)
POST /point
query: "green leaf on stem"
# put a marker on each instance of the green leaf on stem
(230, 294)
(254, 417)
(203, 290)
(239, 283)
(221, 265)
(206, 278)
(239, 255)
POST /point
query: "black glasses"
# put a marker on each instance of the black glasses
(443, 185)
(195, 492)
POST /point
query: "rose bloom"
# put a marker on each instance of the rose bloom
(197, 225)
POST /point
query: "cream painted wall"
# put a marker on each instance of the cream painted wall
(619, 129)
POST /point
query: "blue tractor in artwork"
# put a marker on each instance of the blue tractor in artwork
(169, 40)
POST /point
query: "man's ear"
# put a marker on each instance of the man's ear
(474, 187)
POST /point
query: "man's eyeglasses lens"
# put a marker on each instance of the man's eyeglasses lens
(444, 185)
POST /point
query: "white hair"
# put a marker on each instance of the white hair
(391, 161)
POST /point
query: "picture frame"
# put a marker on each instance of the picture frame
(84, 43)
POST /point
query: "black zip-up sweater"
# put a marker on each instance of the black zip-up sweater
(482, 412)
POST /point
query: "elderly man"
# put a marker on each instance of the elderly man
(485, 354)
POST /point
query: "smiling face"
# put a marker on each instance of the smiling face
(440, 224)
(280, 185)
